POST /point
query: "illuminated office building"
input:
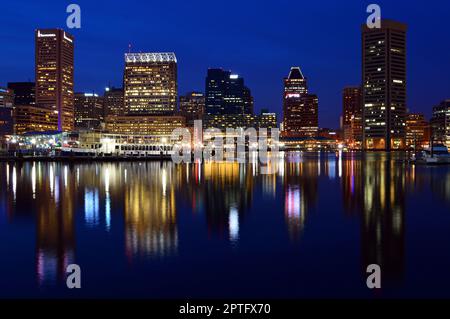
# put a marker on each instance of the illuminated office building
(384, 86)
(28, 118)
(148, 125)
(54, 75)
(226, 94)
(192, 106)
(352, 116)
(150, 83)
(244, 121)
(440, 123)
(417, 131)
(88, 111)
(300, 109)
(113, 102)
(267, 119)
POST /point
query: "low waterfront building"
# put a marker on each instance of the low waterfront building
(310, 144)
(147, 125)
(224, 121)
(28, 118)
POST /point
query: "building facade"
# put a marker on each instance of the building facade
(145, 125)
(384, 86)
(192, 107)
(300, 109)
(6, 97)
(6, 111)
(225, 93)
(417, 131)
(150, 83)
(89, 114)
(24, 92)
(113, 102)
(440, 123)
(352, 117)
(233, 121)
(54, 75)
(29, 118)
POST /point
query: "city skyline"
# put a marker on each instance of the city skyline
(324, 67)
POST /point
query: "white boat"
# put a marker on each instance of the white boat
(437, 154)
(118, 145)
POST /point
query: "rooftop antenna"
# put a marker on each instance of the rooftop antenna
(129, 48)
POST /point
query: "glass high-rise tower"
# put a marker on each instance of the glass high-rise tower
(226, 94)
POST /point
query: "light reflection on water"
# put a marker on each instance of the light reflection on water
(143, 201)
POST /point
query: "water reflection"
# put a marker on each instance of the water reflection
(145, 201)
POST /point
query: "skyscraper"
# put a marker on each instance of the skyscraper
(384, 85)
(150, 83)
(192, 106)
(54, 75)
(226, 94)
(352, 116)
(440, 123)
(88, 111)
(300, 109)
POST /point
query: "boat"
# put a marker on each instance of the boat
(437, 154)
(95, 144)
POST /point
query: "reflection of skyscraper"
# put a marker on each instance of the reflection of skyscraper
(55, 223)
(150, 213)
(382, 225)
(300, 189)
(228, 194)
(352, 187)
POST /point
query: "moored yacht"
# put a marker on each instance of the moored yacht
(436, 154)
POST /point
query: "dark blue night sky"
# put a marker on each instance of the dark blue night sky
(258, 40)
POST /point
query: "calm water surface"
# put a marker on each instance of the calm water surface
(160, 230)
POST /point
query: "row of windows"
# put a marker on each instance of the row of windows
(143, 148)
